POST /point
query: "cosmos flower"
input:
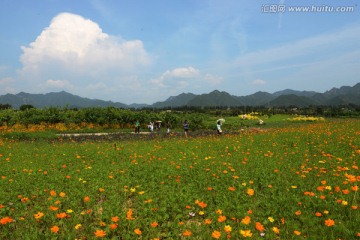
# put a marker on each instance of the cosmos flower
(55, 229)
(329, 222)
(100, 233)
(216, 234)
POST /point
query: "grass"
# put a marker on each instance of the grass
(297, 181)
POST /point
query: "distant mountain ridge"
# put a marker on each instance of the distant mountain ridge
(334, 97)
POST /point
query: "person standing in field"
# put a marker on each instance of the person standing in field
(151, 127)
(137, 126)
(168, 127)
(218, 127)
(186, 128)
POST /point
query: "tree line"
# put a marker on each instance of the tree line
(28, 114)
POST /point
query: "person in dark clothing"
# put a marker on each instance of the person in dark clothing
(186, 128)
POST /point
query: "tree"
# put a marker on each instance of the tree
(26, 107)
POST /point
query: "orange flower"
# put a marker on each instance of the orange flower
(354, 188)
(86, 199)
(154, 224)
(246, 220)
(221, 218)
(6, 220)
(100, 233)
(61, 215)
(318, 214)
(298, 213)
(129, 214)
(231, 189)
(297, 232)
(259, 227)
(207, 221)
(329, 222)
(53, 208)
(113, 226)
(137, 231)
(24, 200)
(187, 233)
(55, 229)
(202, 204)
(219, 211)
(62, 194)
(216, 234)
(345, 191)
(250, 191)
(115, 219)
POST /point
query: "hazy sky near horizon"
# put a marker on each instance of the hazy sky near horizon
(141, 51)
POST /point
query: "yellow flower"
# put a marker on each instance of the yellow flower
(69, 211)
(38, 215)
(276, 230)
(132, 189)
(78, 226)
(271, 219)
(246, 233)
(227, 228)
(219, 211)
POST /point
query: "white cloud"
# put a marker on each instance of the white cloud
(183, 77)
(177, 77)
(259, 82)
(185, 72)
(76, 49)
(58, 84)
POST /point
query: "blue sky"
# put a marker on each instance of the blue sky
(141, 51)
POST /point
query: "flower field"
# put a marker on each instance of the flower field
(293, 182)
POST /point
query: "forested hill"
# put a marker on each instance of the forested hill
(344, 95)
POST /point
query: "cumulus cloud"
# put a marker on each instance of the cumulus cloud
(183, 76)
(76, 49)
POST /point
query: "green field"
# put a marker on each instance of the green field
(282, 181)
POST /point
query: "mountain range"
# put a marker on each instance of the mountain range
(344, 95)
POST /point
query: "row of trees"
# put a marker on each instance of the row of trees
(106, 117)
(125, 118)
